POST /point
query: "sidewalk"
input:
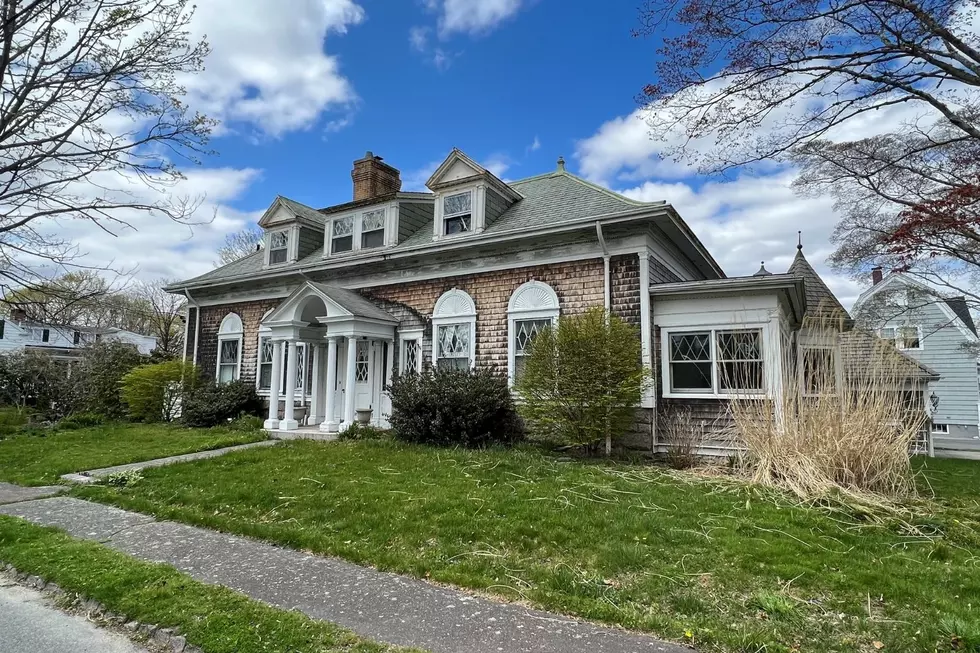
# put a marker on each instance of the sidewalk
(381, 606)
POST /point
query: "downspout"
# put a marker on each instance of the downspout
(606, 262)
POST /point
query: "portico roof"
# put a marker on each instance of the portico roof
(338, 303)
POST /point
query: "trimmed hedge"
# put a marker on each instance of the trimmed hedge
(217, 403)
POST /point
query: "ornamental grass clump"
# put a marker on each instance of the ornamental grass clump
(846, 422)
(583, 380)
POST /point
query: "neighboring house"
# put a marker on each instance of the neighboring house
(18, 333)
(940, 333)
(341, 299)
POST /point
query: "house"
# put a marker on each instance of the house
(17, 333)
(939, 332)
(342, 298)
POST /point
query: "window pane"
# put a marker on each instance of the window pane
(362, 362)
(226, 373)
(372, 239)
(520, 362)
(300, 366)
(910, 337)
(457, 225)
(343, 244)
(454, 204)
(454, 341)
(279, 240)
(266, 350)
(373, 220)
(690, 376)
(739, 345)
(738, 375)
(690, 347)
(229, 351)
(453, 364)
(525, 331)
(265, 376)
(343, 226)
(818, 372)
(277, 256)
(413, 352)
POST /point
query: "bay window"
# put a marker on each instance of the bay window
(715, 362)
(342, 235)
(457, 213)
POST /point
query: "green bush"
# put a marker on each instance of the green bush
(35, 380)
(153, 393)
(97, 376)
(80, 421)
(454, 407)
(583, 380)
(357, 431)
(216, 404)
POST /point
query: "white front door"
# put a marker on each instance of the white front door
(364, 375)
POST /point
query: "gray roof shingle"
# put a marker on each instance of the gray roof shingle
(353, 302)
(962, 310)
(820, 301)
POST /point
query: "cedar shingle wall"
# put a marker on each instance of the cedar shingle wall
(251, 314)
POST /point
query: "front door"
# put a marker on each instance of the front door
(369, 379)
(364, 375)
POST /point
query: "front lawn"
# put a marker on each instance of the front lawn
(723, 566)
(40, 457)
(213, 618)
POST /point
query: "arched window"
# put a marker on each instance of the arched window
(454, 331)
(532, 307)
(230, 348)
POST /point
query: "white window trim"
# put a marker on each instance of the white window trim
(897, 328)
(534, 300)
(939, 429)
(478, 195)
(838, 375)
(404, 336)
(224, 335)
(446, 314)
(354, 235)
(288, 248)
(390, 230)
(665, 334)
(264, 392)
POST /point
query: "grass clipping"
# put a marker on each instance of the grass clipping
(850, 412)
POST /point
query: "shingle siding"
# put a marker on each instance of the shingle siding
(211, 316)
(660, 273)
(310, 240)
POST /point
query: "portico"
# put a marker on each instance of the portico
(352, 344)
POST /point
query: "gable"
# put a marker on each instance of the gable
(281, 215)
(458, 170)
(936, 313)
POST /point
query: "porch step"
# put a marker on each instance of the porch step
(304, 433)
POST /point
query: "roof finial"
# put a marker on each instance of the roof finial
(561, 164)
(763, 272)
(799, 241)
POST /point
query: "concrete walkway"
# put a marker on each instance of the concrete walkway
(92, 475)
(31, 623)
(16, 493)
(377, 605)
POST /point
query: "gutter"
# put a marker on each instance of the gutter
(197, 325)
(606, 267)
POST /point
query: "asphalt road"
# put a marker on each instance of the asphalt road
(30, 624)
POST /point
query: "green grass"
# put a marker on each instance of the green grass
(35, 457)
(213, 618)
(628, 545)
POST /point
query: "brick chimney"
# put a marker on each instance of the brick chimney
(373, 178)
(876, 275)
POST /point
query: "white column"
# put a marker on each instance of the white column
(273, 421)
(288, 422)
(350, 390)
(330, 425)
(385, 400)
(316, 399)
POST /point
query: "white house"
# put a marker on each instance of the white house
(17, 333)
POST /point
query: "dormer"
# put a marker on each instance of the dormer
(468, 197)
(292, 232)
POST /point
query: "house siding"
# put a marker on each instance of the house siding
(660, 273)
(251, 314)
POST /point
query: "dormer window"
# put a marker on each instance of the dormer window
(278, 247)
(342, 239)
(457, 213)
(373, 229)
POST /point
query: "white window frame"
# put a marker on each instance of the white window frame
(301, 349)
(409, 335)
(534, 300)
(231, 329)
(353, 235)
(286, 248)
(384, 228)
(939, 429)
(900, 342)
(835, 353)
(448, 216)
(454, 307)
(714, 393)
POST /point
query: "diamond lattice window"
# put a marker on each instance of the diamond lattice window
(228, 352)
(454, 346)
(413, 355)
(278, 247)
(362, 363)
(373, 229)
(525, 331)
(690, 362)
(343, 235)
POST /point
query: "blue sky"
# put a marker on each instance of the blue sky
(513, 83)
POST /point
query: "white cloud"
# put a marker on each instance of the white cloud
(497, 164)
(472, 16)
(534, 146)
(418, 38)
(268, 67)
(623, 147)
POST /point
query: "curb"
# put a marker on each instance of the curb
(167, 640)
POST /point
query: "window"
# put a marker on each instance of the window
(266, 352)
(410, 351)
(715, 362)
(373, 229)
(819, 371)
(362, 361)
(229, 348)
(532, 307)
(457, 213)
(278, 247)
(454, 331)
(942, 429)
(343, 235)
(3, 323)
(903, 337)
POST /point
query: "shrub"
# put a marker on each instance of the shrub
(153, 392)
(36, 380)
(583, 380)
(454, 407)
(97, 376)
(358, 431)
(682, 435)
(80, 421)
(217, 403)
